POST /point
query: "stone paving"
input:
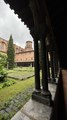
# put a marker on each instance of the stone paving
(33, 110)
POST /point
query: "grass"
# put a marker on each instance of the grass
(8, 93)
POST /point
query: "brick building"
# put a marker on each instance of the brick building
(3, 45)
(23, 56)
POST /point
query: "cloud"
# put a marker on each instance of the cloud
(11, 24)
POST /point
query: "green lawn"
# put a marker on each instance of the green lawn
(7, 93)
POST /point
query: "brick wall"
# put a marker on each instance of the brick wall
(27, 56)
(21, 55)
(3, 45)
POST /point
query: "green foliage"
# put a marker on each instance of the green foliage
(3, 73)
(8, 83)
(3, 63)
(10, 53)
(3, 59)
(8, 93)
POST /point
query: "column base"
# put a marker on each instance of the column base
(53, 80)
(49, 80)
(42, 97)
(37, 91)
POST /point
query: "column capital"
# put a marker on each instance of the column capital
(39, 31)
(34, 33)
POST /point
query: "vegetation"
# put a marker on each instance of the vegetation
(2, 74)
(8, 93)
(6, 83)
(10, 53)
(3, 59)
(2, 65)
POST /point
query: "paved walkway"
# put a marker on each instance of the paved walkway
(33, 110)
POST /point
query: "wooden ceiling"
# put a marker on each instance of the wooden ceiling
(58, 17)
(56, 10)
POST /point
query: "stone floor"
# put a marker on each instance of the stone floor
(33, 110)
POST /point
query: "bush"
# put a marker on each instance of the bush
(8, 83)
(3, 59)
(3, 74)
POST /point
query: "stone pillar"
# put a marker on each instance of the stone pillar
(37, 67)
(56, 65)
(53, 66)
(44, 68)
(48, 66)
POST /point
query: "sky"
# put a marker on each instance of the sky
(11, 24)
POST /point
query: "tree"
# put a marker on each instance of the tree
(10, 53)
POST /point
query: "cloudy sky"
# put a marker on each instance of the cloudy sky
(11, 24)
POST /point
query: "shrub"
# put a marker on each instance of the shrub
(8, 83)
(3, 59)
(3, 73)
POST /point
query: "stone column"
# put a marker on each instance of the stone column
(36, 65)
(48, 55)
(48, 65)
(44, 67)
(53, 66)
